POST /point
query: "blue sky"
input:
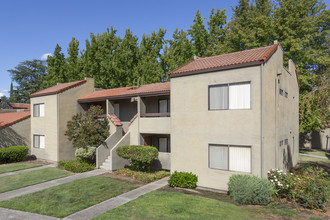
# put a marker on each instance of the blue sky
(30, 29)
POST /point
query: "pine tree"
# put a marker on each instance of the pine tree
(302, 28)
(73, 61)
(56, 69)
(177, 52)
(149, 68)
(199, 35)
(217, 30)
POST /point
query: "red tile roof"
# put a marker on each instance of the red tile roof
(115, 120)
(126, 92)
(19, 105)
(226, 61)
(12, 117)
(57, 88)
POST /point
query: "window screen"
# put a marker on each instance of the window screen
(38, 141)
(218, 97)
(218, 156)
(38, 110)
(163, 145)
(163, 106)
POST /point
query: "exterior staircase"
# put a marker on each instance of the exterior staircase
(106, 164)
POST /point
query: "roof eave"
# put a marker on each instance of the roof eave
(117, 97)
(235, 66)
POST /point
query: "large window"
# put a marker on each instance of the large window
(229, 96)
(38, 141)
(163, 145)
(38, 110)
(229, 157)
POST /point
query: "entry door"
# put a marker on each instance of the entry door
(162, 106)
(116, 107)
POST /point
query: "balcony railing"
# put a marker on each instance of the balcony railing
(146, 115)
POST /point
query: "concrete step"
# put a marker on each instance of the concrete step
(107, 161)
(105, 167)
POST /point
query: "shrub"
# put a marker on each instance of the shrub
(284, 183)
(13, 154)
(309, 187)
(139, 156)
(246, 189)
(183, 179)
(312, 191)
(75, 166)
(87, 154)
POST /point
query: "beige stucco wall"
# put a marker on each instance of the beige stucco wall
(68, 107)
(281, 114)
(16, 134)
(194, 127)
(47, 126)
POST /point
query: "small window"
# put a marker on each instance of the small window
(229, 96)
(38, 141)
(286, 95)
(164, 145)
(38, 110)
(281, 91)
(286, 141)
(228, 157)
(281, 143)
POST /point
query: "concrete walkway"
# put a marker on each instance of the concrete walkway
(315, 156)
(112, 203)
(45, 185)
(26, 170)
(19, 215)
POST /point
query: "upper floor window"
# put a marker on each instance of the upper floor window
(38, 110)
(229, 96)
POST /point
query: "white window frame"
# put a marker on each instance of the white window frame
(40, 143)
(229, 104)
(229, 157)
(39, 110)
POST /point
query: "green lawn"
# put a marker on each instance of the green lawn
(315, 152)
(68, 198)
(312, 159)
(14, 167)
(21, 180)
(174, 205)
(179, 205)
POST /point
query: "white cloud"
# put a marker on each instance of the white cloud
(3, 92)
(45, 55)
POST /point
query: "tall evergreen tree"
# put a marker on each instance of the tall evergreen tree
(56, 69)
(177, 52)
(73, 71)
(12, 94)
(216, 26)
(199, 35)
(302, 28)
(28, 76)
(149, 68)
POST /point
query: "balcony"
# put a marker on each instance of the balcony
(155, 123)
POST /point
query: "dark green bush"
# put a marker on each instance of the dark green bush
(139, 156)
(246, 189)
(13, 154)
(75, 166)
(183, 179)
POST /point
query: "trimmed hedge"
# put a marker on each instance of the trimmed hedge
(75, 166)
(246, 189)
(13, 154)
(183, 179)
(140, 156)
